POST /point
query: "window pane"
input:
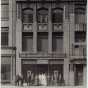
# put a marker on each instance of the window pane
(4, 38)
(5, 68)
(4, 11)
(57, 42)
(57, 16)
(27, 42)
(4, 1)
(28, 16)
(43, 42)
(80, 36)
(80, 18)
(42, 16)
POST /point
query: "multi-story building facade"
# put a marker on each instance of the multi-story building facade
(44, 36)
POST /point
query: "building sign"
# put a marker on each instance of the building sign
(42, 61)
(28, 62)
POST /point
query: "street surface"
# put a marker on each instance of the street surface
(9, 86)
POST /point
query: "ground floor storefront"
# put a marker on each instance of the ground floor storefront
(52, 72)
(56, 72)
(8, 65)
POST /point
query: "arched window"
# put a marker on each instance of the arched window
(28, 15)
(80, 15)
(79, 10)
(57, 15)
(42, 16)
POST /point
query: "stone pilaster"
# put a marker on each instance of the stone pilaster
(71, 38)
(34, 31)
(11, 75)
(72, 26)
(49, 31)
(66, 30)
(71, 75)
(66, 43)
(14, 22)
(18, 39)
(14, 70)
(10, 23)
(66, 71)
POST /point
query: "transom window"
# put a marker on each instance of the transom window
(42, 16)
(28, 15)
(57, 15)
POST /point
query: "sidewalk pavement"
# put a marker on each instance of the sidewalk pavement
(9, 86)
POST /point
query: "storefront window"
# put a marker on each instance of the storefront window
(50, 74)
(79, 74)
(5, 69)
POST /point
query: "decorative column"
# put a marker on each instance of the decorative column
(34, 30)
(50, 30)
(18, 39)
(66, 43)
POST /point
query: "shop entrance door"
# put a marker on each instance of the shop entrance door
(78, 74)
(42, 68)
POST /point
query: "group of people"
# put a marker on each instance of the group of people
(41, 79)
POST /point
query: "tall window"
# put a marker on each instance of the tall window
(80, 15)
(5, 69)
(42, 16)
(57, 15)
(57, 42)
(42, 42)
(4, 36)
(4, 11)
(28, 15)
(27, 42)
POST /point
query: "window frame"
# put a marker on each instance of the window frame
(55, 14)
(5, 31)
(29, 15)
(42, 17)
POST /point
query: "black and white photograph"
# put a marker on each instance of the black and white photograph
(43, 44)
